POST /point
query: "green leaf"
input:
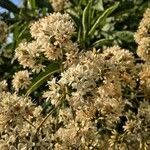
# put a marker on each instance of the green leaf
(86, 19)
(17, 28)
(33, 4)
(79, 35)
(42, 77)
(24, 29)
(99, 5)
(101, 42)
(74, 15)
(101, 18)
(83, 2)
(44, 11)
(126, 36)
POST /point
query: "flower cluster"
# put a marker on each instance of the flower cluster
(58, 5)
(17, 121)
(28, 56)
(52, 40)
(144, 27)
(87, 84)
(21, 80)
(142, 37)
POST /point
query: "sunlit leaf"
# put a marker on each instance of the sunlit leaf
(86, 18)
(99, 5)
(101, 18)
(33, 4)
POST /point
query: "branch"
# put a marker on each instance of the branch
(57, 106)
(7, 4)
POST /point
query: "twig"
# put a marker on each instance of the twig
(29, 122)
(57, 105)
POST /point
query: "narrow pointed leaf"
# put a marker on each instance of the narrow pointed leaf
(104, 15)
(85, 19)
(33, 4)
(42, 77)
(101, 42)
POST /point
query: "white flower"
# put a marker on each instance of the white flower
(53, 94)
(58, 5)
(57, 26)
(28, 55)
(21, 80)
(144, 27)
(3, 85)
(143, 49)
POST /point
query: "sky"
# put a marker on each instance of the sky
(17, 2)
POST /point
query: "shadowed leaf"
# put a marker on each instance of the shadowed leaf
(42, 77)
